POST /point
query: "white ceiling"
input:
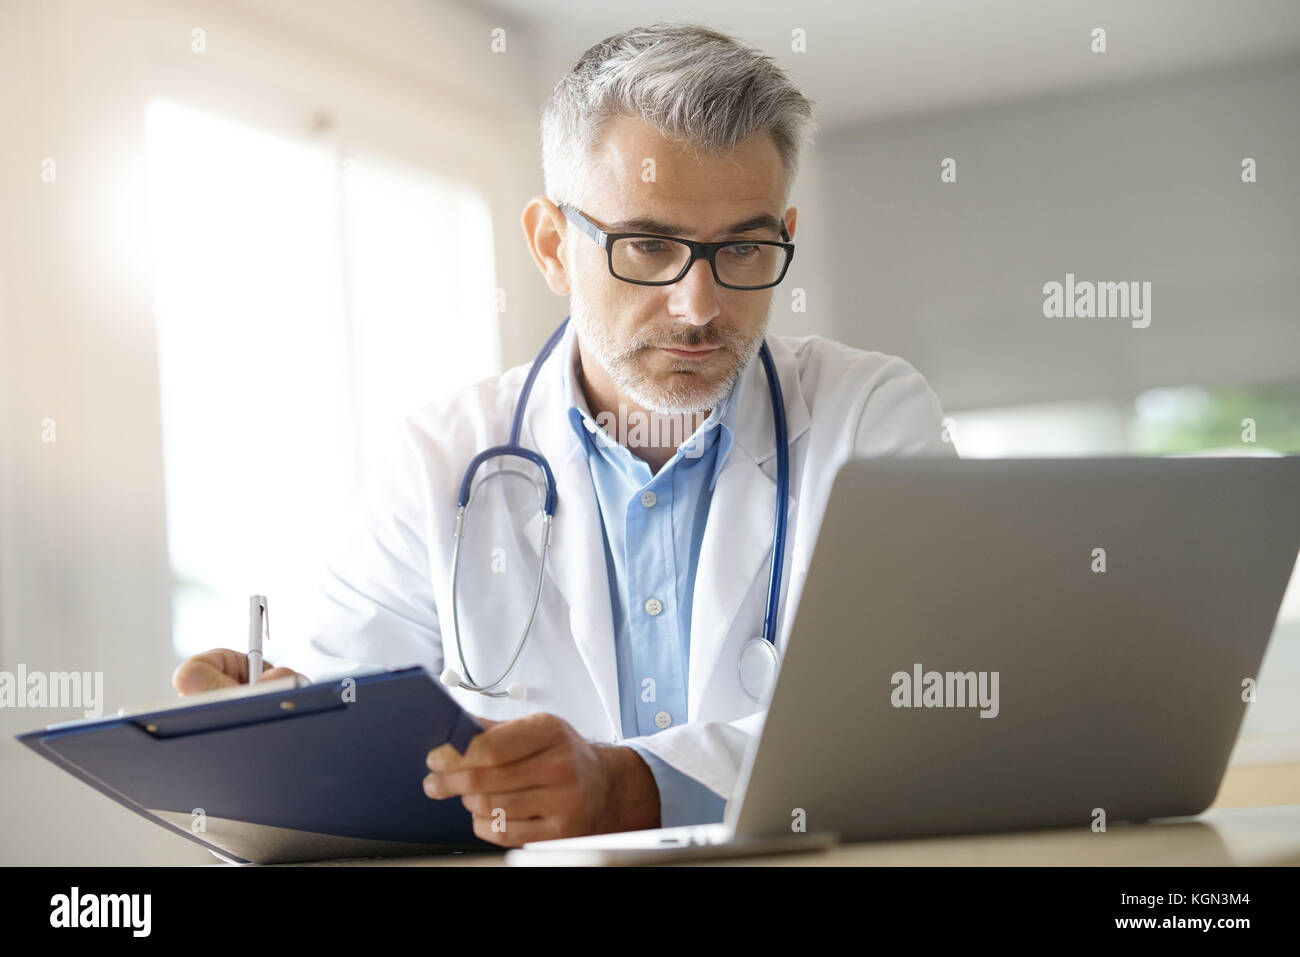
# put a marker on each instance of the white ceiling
(874, 59)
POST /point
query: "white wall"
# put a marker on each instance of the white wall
(1135, 182)
(1140, 182)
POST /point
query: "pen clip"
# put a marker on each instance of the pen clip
(259, 629)
(259, 621)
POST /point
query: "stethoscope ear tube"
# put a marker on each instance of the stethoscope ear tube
(782, 495)
(467, 481)
(464, 495)
(468, 681)
(759, 661)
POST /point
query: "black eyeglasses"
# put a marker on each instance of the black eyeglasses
(648, 259)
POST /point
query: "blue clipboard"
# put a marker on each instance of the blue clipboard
(323, 771)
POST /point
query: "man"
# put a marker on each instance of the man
(655, 415)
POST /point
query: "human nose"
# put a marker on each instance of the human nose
(695, 296)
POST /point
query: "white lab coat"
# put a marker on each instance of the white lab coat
(386, 596)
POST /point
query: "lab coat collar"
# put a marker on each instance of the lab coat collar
(737, 543)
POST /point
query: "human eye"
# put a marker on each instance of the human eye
(658, 246)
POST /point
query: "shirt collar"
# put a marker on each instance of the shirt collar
(720, 421)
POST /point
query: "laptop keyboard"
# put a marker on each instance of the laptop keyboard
(654, 837)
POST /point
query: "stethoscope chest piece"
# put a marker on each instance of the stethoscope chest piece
(758, 668)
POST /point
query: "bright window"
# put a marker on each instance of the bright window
(305, 302)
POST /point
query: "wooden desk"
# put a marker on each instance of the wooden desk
(1227, 834)
(1219, 837)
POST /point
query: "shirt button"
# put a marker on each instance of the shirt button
(648, 499)
(663, 719)
(653, 606)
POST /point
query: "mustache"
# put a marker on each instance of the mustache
(698, 340)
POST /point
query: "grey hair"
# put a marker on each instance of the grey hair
(698, 87)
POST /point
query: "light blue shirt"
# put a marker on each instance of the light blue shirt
(653, 529)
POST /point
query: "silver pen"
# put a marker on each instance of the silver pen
(259, 623)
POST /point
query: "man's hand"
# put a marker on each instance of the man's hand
(220, 668)
(537, 779)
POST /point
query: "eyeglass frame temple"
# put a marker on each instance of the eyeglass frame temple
(705, 251)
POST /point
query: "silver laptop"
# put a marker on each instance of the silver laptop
(1006, 644)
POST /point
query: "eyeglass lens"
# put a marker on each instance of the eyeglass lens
(646, 259)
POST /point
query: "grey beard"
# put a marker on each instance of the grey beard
(622, 369)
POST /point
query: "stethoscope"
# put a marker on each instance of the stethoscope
(758, 659)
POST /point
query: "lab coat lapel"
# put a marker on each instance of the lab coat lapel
(575, 561)
(737, 544)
